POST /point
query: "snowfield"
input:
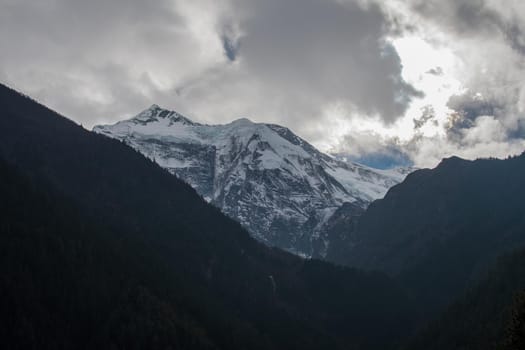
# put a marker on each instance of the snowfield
(274, 183)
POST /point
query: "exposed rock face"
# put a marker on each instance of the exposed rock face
(274, 183)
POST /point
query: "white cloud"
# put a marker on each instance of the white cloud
(477, 46)
(287, 60)
(342, 73)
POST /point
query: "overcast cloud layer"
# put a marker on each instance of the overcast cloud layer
(488, 39)
(333, 70)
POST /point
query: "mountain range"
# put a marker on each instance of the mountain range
(277, 185)
(441, 229)
(101, 247)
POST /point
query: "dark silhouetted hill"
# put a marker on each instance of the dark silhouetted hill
(441, 229)
(102, 248)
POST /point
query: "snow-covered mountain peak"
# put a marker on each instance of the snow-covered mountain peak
(242, 122)
(281, 188)
(157, 114)
(154, 107)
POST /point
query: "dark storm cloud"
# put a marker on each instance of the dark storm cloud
(93, 59)
(471, 107)
(79, 26)
(437, 71)
(291, 62)
(427, 114)
(329, 50)
(502, 105)
(283, 60)
(516, 36)
(473, 17)
(485, 40)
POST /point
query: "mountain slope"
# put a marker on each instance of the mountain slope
(274, 183)
(101, 247)
(68, 282)
(440, 229)
(478, 319)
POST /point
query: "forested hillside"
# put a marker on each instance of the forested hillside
(101, 247)
(440, 230)
(489, 316)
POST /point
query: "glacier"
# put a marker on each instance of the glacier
(278, 186)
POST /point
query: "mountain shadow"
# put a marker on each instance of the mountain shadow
(100, 247)
(441, 229)
(488, 316)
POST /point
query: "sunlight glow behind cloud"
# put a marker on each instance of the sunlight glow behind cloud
(420, 79)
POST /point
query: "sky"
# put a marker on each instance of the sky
(383, 82)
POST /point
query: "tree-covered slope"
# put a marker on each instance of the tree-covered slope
(101, 247)
(441, 229)
(482, 318)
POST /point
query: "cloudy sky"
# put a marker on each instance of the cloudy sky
(383, 81)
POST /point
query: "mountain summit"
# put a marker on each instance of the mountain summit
(100, 248)
(276, 184)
